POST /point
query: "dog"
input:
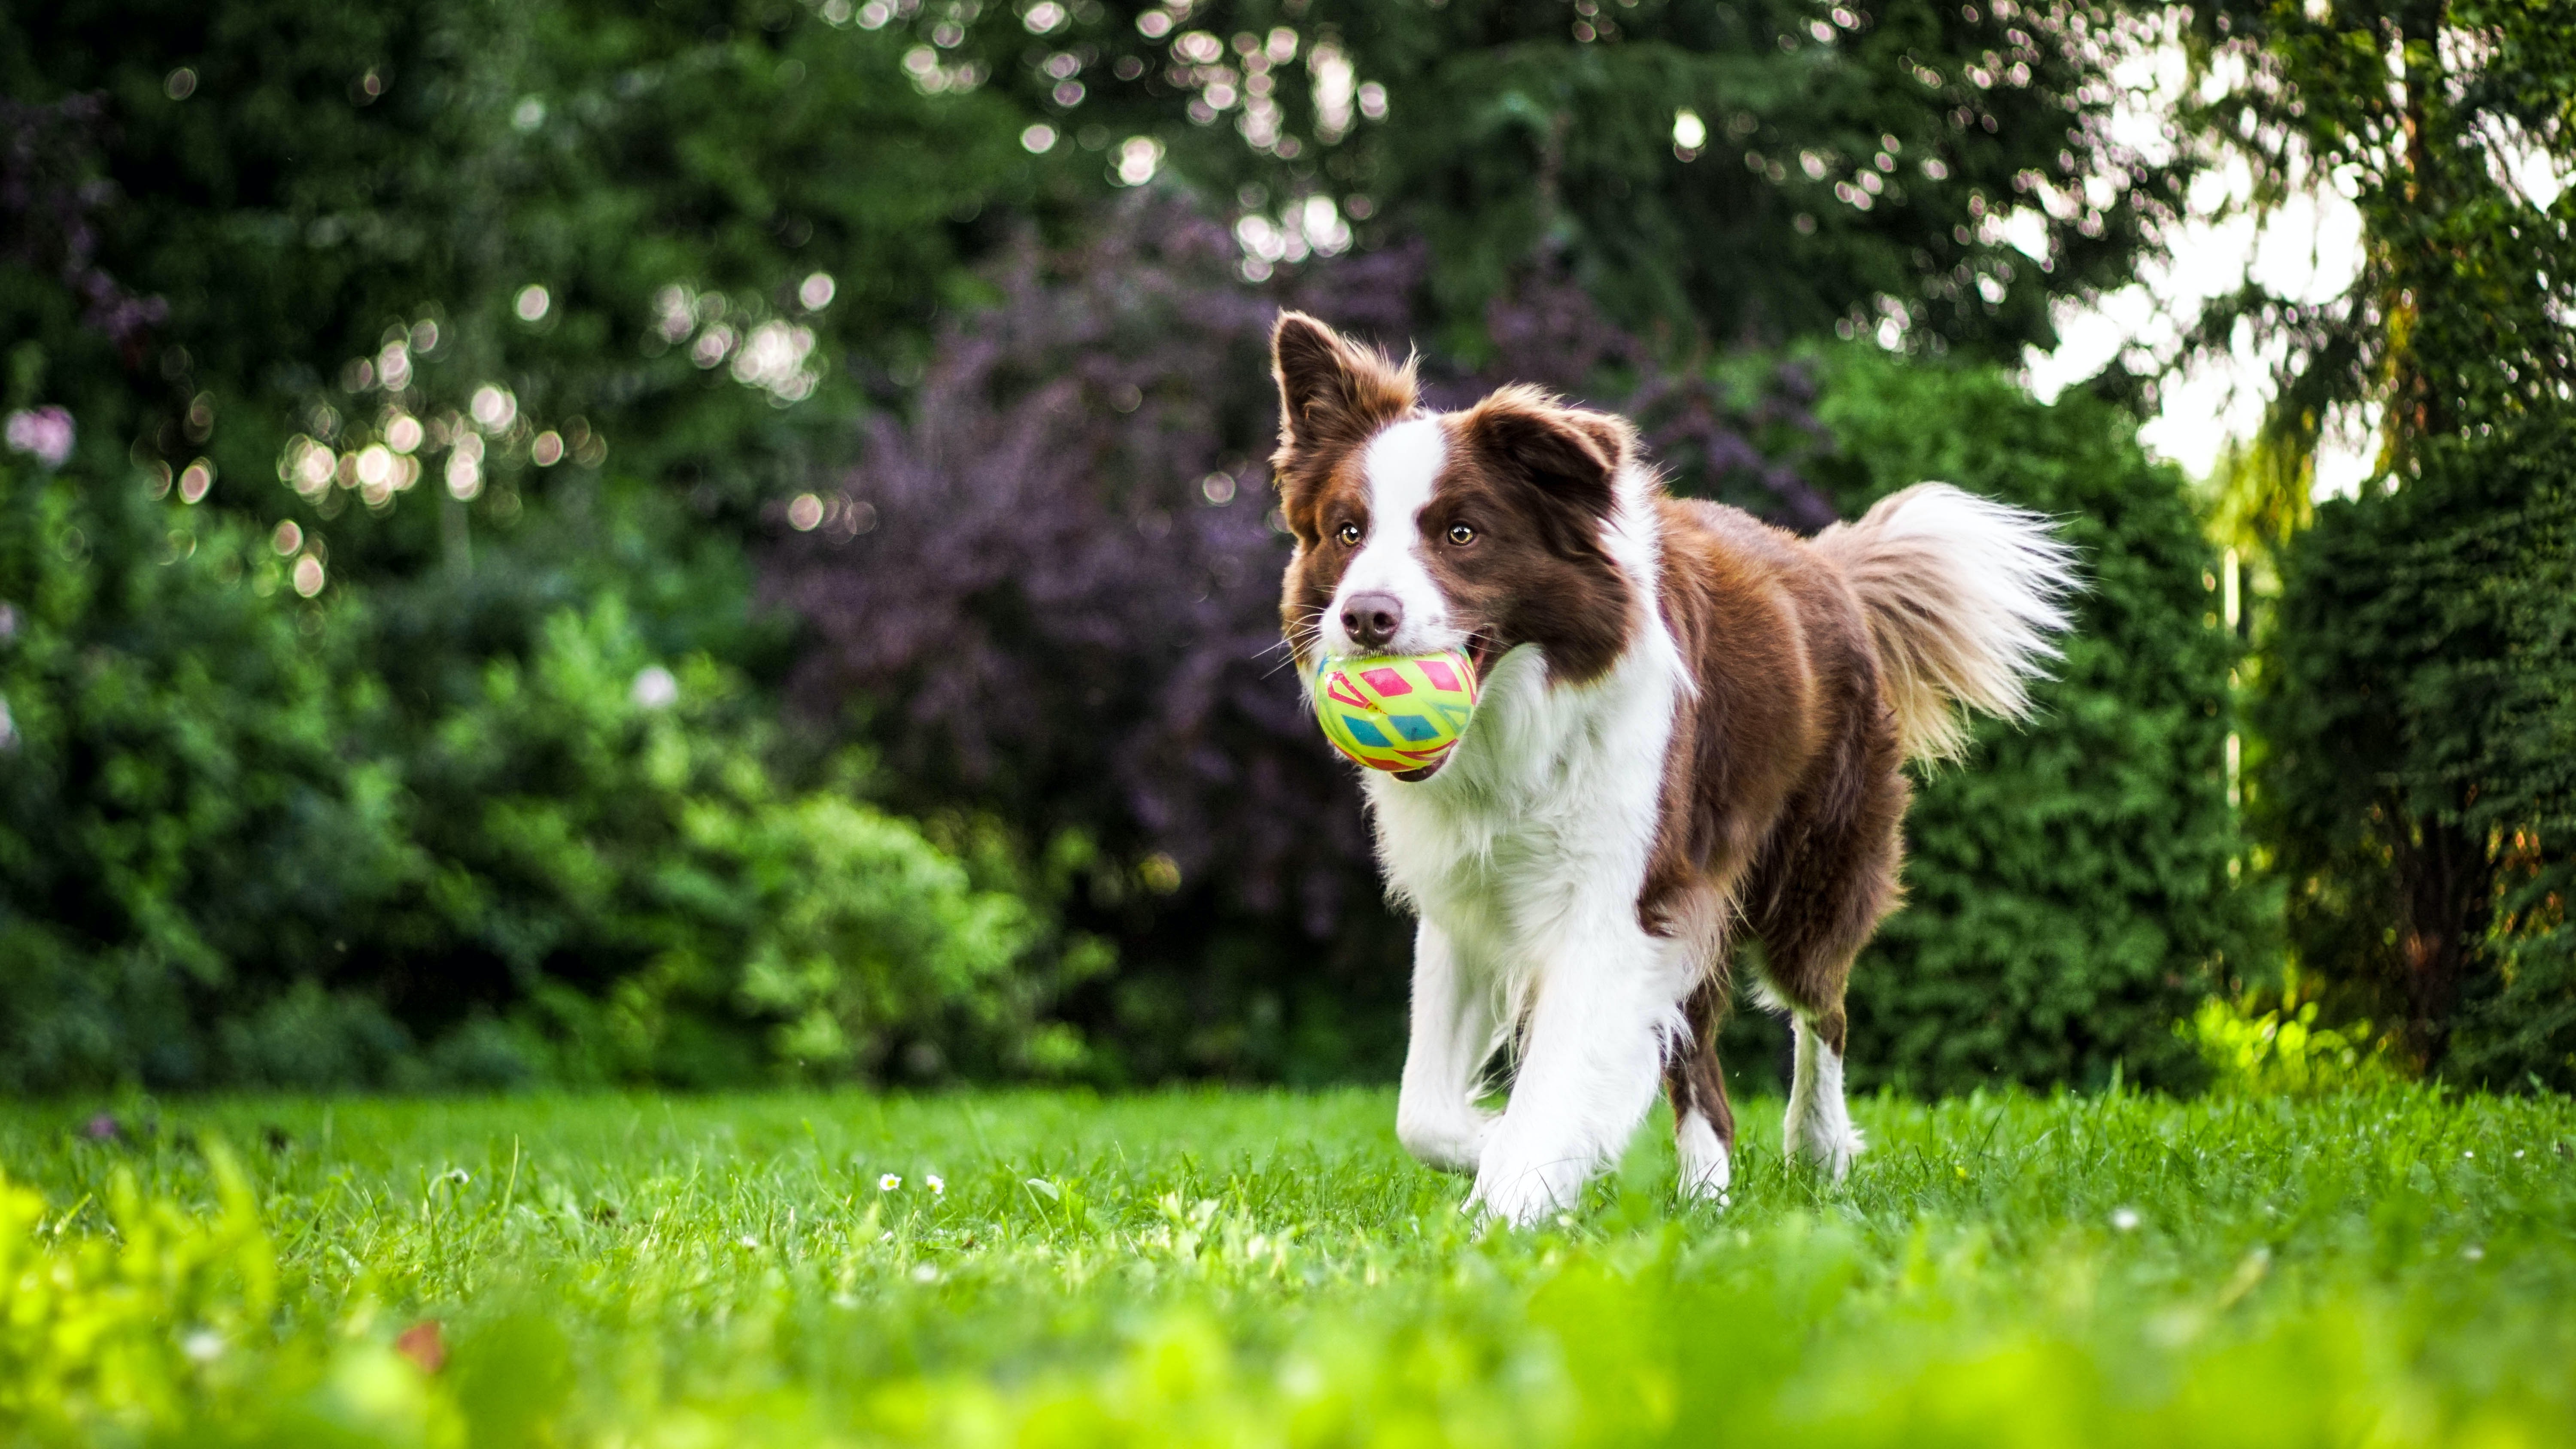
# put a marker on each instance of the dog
(1693, 725)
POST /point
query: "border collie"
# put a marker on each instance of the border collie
(1692, 726)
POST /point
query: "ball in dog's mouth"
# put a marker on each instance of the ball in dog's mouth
(1401, 714)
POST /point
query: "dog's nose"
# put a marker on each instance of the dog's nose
(1372, 619)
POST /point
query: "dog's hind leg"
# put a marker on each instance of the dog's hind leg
(1703, 1123)
(1819, 1128)
(1807, 963)
(1829, 894)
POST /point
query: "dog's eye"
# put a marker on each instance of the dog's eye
(1349, 534)
(1461, 534)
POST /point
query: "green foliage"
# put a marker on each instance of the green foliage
(105, 1331)
(2068, 887)
(512, 309)
(603, 823)
(185, 811)
(2419, 698)
(2261, 1051)
(2384, 1266)
(326, 181)
(2430, 116)
(1851, 163)
(2411, 786)
(224, 864)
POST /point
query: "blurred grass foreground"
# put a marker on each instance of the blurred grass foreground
(2383, 1268)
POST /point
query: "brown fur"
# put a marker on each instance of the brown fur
(1782, 794)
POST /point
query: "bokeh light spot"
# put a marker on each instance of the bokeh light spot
(1138, 158)
(493, 407)
(655, 688)
(532, 303)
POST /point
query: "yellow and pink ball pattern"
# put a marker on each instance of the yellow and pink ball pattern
(1392, 713)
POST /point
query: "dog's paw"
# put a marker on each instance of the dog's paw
(1519, 1195)
(1825, 1145)
(1706, 1168)
(1449, 1141)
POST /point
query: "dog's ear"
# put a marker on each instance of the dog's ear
(1332, 391)
(1570, 457)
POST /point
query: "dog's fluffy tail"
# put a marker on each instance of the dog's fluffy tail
(1961, 594)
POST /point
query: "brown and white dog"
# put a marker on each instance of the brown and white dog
(1692, 724)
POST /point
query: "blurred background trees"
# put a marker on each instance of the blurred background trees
(714, 540)
(2415, 692)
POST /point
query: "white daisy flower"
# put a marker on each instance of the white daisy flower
(889, 1183)
(938, 1185)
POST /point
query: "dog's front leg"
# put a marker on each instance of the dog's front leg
(1436, 1116)
(1592, 1064)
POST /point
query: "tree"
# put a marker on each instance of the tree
(2391, 792)
(1748, 172)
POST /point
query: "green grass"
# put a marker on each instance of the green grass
(2385, 1268)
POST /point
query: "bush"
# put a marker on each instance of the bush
(224, 858)
(2418, 794)
(188, 811)
(2068, 888)
(611, 846)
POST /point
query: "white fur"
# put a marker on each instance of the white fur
(1402, 465)
(1705, 1169)
(1524, 856)
(1962, 594)
(1819, 1126)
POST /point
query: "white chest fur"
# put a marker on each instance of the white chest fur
(1542, 820)
(1534, 837)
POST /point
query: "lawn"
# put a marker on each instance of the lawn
(2387, 1268)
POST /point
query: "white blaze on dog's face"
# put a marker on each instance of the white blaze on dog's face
(1416, 532)
(1388, 575)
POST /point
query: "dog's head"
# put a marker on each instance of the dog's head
(1479, 530)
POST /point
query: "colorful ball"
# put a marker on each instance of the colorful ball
(1396, 713)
